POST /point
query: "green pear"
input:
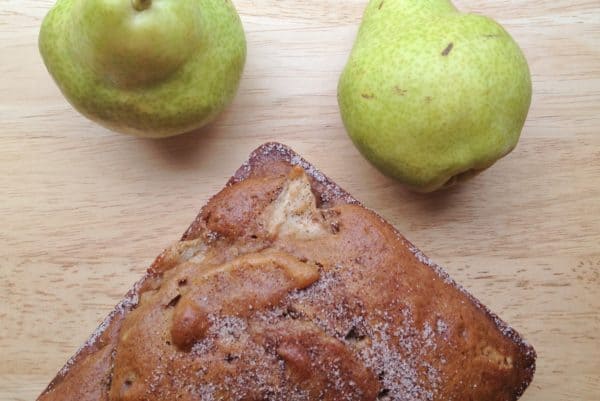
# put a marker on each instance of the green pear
(151, 68)
(430, 95)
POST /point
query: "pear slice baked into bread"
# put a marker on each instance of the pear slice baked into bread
(285, 288)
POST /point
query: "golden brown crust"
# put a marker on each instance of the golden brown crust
(286, 288)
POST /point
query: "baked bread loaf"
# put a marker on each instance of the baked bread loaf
(285, 288)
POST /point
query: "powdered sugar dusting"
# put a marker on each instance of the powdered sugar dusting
(399, 372)
(263, 376)
(207, 392)
(226, 330)
(506, 330)
(441, 327)
(330, 191)
(394, 353)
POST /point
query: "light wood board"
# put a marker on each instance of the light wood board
(83, 211)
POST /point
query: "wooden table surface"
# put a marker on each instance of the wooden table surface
(83, 210)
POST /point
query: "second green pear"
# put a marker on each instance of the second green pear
(151, 68)
(430, 95)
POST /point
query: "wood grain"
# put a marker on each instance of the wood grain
(83, 211)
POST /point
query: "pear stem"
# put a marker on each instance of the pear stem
(141, 5)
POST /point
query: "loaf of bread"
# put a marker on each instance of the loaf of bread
(285, 288)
